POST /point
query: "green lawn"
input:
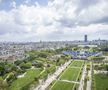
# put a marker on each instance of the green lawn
(59, 85)
(62, 86)
(77, 63)
(26, 80)
(101, 82)
(71, 74)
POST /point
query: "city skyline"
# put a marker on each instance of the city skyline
(53, 20)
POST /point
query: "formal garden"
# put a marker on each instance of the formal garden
(64, 86)
(70, 78)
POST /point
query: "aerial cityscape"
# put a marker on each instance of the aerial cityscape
(53, 45)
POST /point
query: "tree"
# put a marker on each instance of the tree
(18, 62)
(13, 67)
(75, 48)
(10, 77)
(107, 68)
(39, 65)
(58, 59)
(22, 65)
(2, 69)
(43, 54)
(37, 78)
(87, 77)
(3, 84)
(88, 67)
(26, 65)
(97, 58)
(104, 47)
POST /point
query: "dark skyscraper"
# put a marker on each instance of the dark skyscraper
(85, 38)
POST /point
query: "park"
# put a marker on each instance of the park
(70, 78)
(70, 68)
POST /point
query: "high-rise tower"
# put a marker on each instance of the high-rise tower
(85, 38)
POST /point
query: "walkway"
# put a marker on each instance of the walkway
(69, 81)
(90, 78)
(82, 78)
(53, 77)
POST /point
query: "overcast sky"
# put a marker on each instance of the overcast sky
(35, 20)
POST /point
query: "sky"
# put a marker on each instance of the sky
(53, 20)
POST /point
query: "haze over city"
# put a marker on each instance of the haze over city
(52, 20)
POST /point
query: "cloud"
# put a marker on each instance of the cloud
(85, 4)
(59, 20)
(94, 14)
(13, 4)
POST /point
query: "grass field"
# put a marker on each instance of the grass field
(59, 85)
(77, 64)
(62, 86)
(22, 82)
(72, 73)
(101, 82)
